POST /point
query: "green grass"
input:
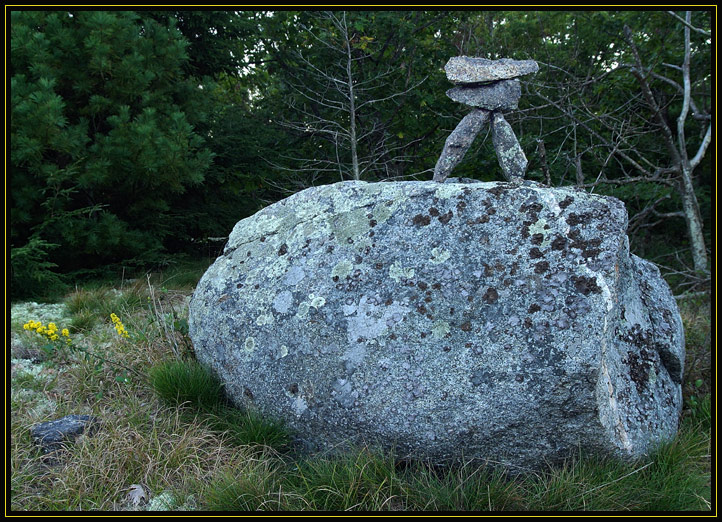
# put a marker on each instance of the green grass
(88, 308)
(182, 274)
(180, 382)
(170, 429)
(672, 479)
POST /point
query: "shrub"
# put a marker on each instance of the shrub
(31, 272)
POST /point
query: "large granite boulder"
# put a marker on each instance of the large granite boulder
(499, 321)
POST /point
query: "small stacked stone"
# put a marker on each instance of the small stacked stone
(490, 87)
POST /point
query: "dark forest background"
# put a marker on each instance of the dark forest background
(139, 138)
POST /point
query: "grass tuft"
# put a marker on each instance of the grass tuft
(187, 382)
(253, 486)
(362, 480)
(462, 487)
(246, 426)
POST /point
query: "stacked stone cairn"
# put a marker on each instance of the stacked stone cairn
(490, 87)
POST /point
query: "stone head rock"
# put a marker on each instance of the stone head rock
(502, 95)
(494, 321)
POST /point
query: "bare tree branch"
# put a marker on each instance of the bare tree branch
(688, 24)
(687, 94)
(702, 147)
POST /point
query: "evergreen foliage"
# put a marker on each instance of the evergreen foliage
(103, 146)
(30, 271)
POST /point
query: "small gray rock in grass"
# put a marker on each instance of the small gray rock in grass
(51, 435)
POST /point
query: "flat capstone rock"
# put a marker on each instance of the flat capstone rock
(465, 69)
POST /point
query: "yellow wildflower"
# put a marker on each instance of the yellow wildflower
(32, 325)
(50, 331)
(119, 326)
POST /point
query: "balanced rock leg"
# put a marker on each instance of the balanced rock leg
(512, 160)
(459, 142)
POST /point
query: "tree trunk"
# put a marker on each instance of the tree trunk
(690, 206)
(352, 105)
(678, 148)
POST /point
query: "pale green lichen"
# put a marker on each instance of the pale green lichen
(36, 404)
(250, 344)
(318, 227)
(163, 502)
(309, 208)
(652, 378)
(342, 269)
(265, 319)
(352, 225)
(439, 255)
(276, 269)
(550, 200)
(256, 226)
(439, 329)
(384, 210)
(538, 228)
(313, 301)
(282, 351)
(397, 272)
(20, 313)
(303, 309)
(317, 301)
(26, 368)
(447, 190)
(341, 200)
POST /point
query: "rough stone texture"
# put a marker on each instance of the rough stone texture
(459, 142)
(465, 69)
(51, 435)
(511, 157)
(496, 321)
(502, 95)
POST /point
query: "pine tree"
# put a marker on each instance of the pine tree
(103, 139)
